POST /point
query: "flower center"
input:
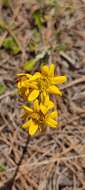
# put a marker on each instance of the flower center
(38, 117)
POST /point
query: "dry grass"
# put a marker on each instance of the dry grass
(55, 160)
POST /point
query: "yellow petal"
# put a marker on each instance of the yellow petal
(27, 83)
(33, 128)
(28, 75)
(59, 79)
(21, 74)
(54, 90)
(45, 70)
(27, 124)
(51, 122)
(26, 108)
(41, 97)
(33, 85)
(53, 115)
(37, 75)
(33, 95)
(36, 105)
(27, 92)
(24, 74)
(43, 109)
(24, 83)
(46, 100)
(50, 104)
(19, 84)
(51, 70)
(44, 94)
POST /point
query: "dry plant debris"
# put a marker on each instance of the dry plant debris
(56, 160)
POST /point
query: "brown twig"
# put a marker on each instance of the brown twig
(69, 60)
(73, 83)
(9, 184)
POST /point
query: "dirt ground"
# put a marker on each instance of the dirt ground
(53, 31)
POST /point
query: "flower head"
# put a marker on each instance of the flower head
(28, 87)
(40, 84)
(40, 116)
(52, 80)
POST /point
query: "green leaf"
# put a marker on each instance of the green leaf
(2, 88)
(28, 66)
(38, 18)
(62, 47)
(15, 50)
(2, 168)
(10, 44)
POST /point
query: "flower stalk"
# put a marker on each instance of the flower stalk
(9, 184)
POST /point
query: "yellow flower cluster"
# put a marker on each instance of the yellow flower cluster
(37, 89)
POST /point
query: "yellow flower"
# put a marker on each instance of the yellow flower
(36, 88)
(31, 86)
(40, 116)
(27, 86)
(52, 80)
